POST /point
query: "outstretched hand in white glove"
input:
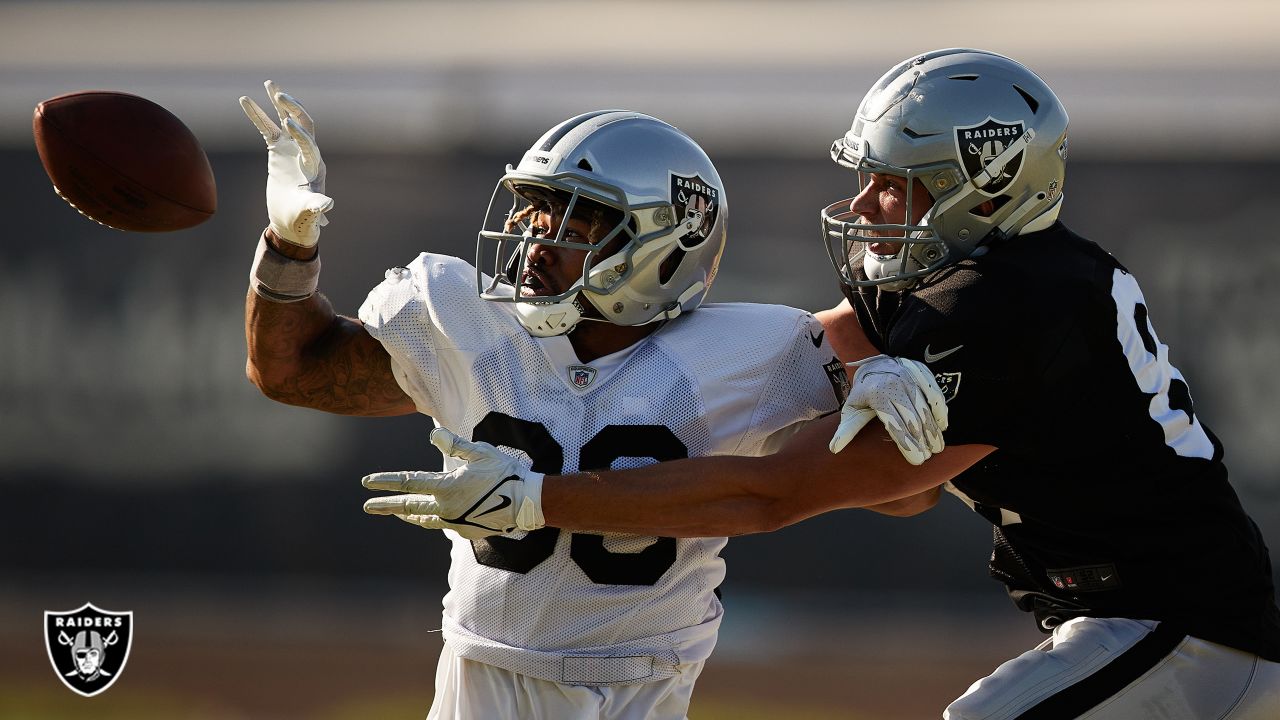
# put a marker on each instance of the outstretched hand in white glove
(904, 396)
(296, 202)
(491, 495)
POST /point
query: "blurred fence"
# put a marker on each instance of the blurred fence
(126, 409)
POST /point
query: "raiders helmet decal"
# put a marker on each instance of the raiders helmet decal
(978, 145)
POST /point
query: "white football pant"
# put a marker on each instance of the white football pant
(470, 690)
(1120, 669)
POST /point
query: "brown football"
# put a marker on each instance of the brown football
(124, 161)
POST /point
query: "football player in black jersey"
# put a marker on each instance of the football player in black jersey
(951, 253)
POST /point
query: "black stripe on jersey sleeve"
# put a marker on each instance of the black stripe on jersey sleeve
(1074, 701)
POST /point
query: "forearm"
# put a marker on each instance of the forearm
(726, 495)
(908, 506)
(699, 497)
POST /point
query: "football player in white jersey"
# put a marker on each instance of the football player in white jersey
(570, 345)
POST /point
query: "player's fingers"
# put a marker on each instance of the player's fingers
(454, 446)
(273, 90)
(431, 522)
(905, 441)
(260, 120)
(406, 481)
(307, 148)
(444, 440)
(402, 505)
(941, 414)
(435, 522)
(938, 409)
(928, 384)
(296, 111)
(907, 417)
(928, 424)
(852, 420)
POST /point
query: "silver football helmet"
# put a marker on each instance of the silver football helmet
(972, 127)
(665, 206)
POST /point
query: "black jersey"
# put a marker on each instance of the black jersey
(1108, 494)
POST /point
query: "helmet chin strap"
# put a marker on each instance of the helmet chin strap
(670, 312)
(1015, 218)
(551, 319)
(677, 307)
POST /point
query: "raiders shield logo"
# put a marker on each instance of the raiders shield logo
(697, 205)
(88, 646)
(949, 384)
(839, 378)
(978, 145)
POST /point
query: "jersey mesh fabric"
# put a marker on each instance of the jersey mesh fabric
(784, 385)
(1109, 495)
(723, 379)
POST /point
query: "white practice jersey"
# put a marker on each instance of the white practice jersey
(725, 379)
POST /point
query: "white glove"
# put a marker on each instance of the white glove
(906, 398)
(491, 495)
(296, 202)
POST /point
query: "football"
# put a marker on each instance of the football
(124, 161)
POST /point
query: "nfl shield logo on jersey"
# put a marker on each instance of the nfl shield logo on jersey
(978, 145)
(88, 646)
(581, 375)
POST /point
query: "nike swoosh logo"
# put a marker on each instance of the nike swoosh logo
(935, 357)
(817, 341)
(505, 502)
(1104, 578)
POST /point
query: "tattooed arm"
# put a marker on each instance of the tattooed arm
(302, 353)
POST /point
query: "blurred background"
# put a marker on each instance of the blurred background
(140, 471)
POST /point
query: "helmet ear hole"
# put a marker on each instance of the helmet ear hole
(989, 207)
(669, 266)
